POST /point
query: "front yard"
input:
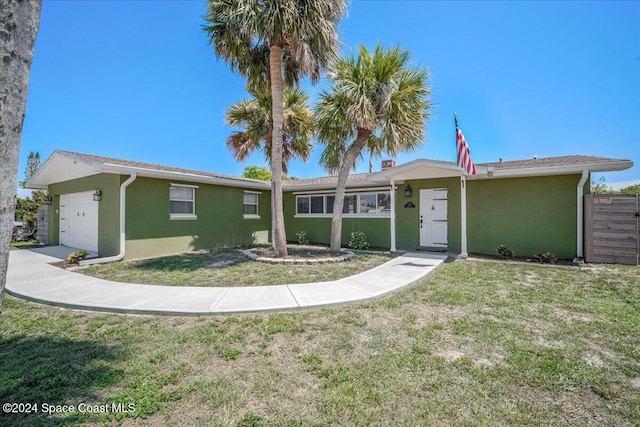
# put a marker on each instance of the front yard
(207, 268)
(475, 343)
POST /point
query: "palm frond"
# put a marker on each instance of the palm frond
(377, 93)
(254, 116)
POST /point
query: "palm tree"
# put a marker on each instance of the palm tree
(254, 115)
(19, 21)
(377, 102)
(301, 39)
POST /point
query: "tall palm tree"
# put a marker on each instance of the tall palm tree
(254, 115)
(379, 103)
(19, 21)
(301, 39)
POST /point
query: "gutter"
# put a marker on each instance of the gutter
(563, 170)
(187, 176)
(579, 259)
(123, 200)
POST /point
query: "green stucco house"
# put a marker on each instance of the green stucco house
(124, 210)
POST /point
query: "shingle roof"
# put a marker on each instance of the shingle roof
(549, 162)
(510, 167)
(129, 163)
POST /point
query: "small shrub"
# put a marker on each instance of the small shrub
(358, 240)
(303, 239)
(72, 258)
(75, 258)
(504, 252)
(545, 258)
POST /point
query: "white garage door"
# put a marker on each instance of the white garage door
(79, 221)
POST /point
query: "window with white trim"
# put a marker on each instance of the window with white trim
(355, 204)
(182, 201)
(250, 205)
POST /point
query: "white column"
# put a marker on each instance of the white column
(393, 216)
(463, 217)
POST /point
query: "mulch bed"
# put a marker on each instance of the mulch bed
(483, 257)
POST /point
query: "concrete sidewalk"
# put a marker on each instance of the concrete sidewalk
(30, 277)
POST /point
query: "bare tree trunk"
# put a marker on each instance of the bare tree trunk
(279, 234)
(19, 22)
(338, 204)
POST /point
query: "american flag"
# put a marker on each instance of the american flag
(464, 154)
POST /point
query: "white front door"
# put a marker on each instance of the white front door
(433, 218)
(79, 221)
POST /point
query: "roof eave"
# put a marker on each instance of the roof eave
(438, 169)
(41, 182)
(185, 176)
(289, 188)
(563, 170)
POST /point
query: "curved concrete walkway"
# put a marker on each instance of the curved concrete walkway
(30, 277)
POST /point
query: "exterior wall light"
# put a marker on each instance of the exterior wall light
(97, 196)
(407, 191)
(48, 201)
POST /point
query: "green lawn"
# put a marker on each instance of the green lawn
(25, 244)
(476, 343)
(191, 269)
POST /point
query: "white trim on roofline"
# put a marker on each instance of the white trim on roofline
(348, 190)
(61, 159)
(559, 170)
(415, 169)
(327, 186)
(184, 176)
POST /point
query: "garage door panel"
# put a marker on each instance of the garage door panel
(79, 221)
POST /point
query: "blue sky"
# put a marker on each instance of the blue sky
(138, 80)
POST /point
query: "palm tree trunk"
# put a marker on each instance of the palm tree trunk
(19, 22)
(279, 235)
(343, 175)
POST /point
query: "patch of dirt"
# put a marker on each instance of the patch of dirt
(63, 264)
(553, 344)
(520, 260)
(224, 263)
(450, 355)
(593, 360)
(439, 314)
(299, 251)
(570, 317)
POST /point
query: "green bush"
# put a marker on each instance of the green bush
(504, 252)
(303, 239)
(546, 258)
(358, 240)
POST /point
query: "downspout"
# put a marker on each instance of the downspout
(393, 216)
(123, 202)
(580, 218)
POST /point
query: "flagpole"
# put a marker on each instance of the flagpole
(463, 201)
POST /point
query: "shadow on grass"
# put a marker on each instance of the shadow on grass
(53, 371)
(25, 244)
(190, 261)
